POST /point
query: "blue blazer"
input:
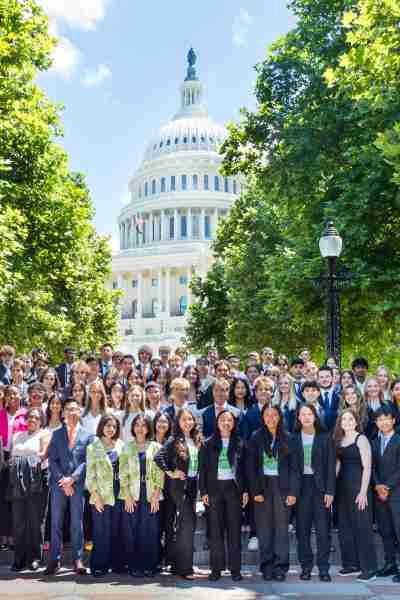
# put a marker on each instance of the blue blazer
(66, 462)
(330, 411)
(250, 422)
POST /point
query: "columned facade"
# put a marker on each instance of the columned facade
(178, 197)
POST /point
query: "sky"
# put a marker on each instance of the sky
(117, 71)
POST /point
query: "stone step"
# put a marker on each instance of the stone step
(201, 556)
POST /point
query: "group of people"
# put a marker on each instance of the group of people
(119, 452)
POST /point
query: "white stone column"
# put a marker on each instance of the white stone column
(168, 291)
(151, 238)
(159, 290)
(189, 291)
(162, 227)
(214, 222)
(176, 224)
(202, 223)
(139, 295)
(189, 224)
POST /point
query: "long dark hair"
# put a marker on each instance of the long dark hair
(178, 433)
(155, 421)
(57, 396)
(281, 443)
(317, 422)
(248, 399)
(234, 438)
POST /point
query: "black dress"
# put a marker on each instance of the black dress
(356, 536)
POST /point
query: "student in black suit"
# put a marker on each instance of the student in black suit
(330, 396)
(386, 483)
(316, 459)
(178, 458)
(222, 488)
(274, 483)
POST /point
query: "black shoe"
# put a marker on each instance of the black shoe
(305, 575)
(3, 547)
(35, 565)
(138, 574)
(99, 573)
(325, 577)
(388, 569)
(150, 573)
(206, 546)
(52, 568)
(366, 576)
(267, 576)
(396, 579)
(214, 576)
(279, 576)
(348, 571)
(236, 577)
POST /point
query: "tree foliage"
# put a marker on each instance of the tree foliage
(53, 265)
(311, 152)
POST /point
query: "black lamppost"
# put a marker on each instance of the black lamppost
(330, 246)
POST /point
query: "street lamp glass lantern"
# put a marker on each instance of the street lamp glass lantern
(330, 244)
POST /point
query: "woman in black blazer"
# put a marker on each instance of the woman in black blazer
(178, 458)
(274, 483)
(316, 460)
(222, 488)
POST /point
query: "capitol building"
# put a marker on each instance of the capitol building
(177, 197)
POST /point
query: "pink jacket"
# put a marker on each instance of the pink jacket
(19, 424)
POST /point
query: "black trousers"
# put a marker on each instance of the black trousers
(310, 509)
(224, 514)
(28, 521)
(6, 524)
(272, 521)
(356, 536)
(180, 543)
(388, 520)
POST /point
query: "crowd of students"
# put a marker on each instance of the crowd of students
(117, 453)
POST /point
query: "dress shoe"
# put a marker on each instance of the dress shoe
(325, 577)
(279, 576)
(80, 568)
(99, 573)
(214, 576)
(388, 569)
(35, 565)
(305, 575)
(52, 568)
(267, 576)
(396, 578)
(237, 577)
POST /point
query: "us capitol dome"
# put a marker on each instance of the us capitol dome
(165, 232)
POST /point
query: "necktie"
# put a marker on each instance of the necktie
(71, 438)
(327, 399)
(383, 444)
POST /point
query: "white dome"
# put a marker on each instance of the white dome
(186, 132)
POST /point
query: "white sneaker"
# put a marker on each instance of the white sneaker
(253, 544)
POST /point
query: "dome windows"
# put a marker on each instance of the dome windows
(216, 183)
(185, 140)
(234, 186)
(184, 182)
(195, 182)
(153, 186)
(226, 185)
(163, 185)
(205, 183)
(161, 144)
(173, 183)
(176, 140)
(203, 139)
(168, 141)
(194, 140)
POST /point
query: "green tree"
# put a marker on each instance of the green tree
(309, 152)
(53, 265)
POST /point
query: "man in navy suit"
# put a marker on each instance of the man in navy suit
(64, 370)
(264, 388)
(221, 396)
(330, 397)
(297, 366)
(67, 462)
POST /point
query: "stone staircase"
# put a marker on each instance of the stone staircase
(250, 559)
